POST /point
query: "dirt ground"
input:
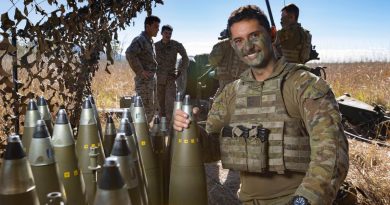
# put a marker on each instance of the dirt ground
(222, 185)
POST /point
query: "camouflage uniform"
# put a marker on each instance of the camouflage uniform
(166, 74)
(228, 65)
(141, 56)
(320, 149)
(294, 43)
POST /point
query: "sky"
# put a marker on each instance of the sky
(342, 30)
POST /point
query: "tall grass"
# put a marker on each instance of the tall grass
(368, 82)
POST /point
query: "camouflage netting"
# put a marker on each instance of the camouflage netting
(61, 51)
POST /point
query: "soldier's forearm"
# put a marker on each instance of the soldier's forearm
(329, 151)
(135, 64)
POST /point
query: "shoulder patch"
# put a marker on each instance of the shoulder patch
(322, 86)
(317, 90)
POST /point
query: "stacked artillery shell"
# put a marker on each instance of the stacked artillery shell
(111, 185)
(146, 154)
(44, 110)
(55, 198)
(43, 164)
(127, 168)
(159, 148)
(165, 160)
(133, 98)
(96, 114)
(16, 179)
(173, 133)
(32, 115)
(65, 152)
(94, 167)
(109, 135)
(88, 137)
(187, 180)
(125, 128)
(127, 113)
(157, 138)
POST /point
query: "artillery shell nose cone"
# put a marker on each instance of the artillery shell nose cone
(124, 127)
(62, 117)
(111, 178)
(138, 102)
(187, 100)
(55, 197)
(40, 130)
(133, 98)
(90, 97)
(178, 96)
(156, 119)
(87, 104)
(14, 149)
(32, 105)
(109, 119)
(41, 101)
(126, 113)
(120, 147)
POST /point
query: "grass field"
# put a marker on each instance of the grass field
(369, 82)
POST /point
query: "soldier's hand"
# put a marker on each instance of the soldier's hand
(181, 120)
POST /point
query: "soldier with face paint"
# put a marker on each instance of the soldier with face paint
(141, 56)
(278, 124)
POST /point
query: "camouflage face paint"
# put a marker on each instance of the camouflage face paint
(253, 51)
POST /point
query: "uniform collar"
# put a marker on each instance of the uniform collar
(147, 37)
(294, 25)
(165, 44)
(279, 66)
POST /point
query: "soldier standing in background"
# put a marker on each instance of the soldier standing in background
(227, 64)
(293, 41)
(280, 125)
(142, 59)
(166, 53)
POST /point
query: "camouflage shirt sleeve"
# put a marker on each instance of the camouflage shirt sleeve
(220, 112)
(132, 53)
(184, 57)
(218, 52)
(329, 147)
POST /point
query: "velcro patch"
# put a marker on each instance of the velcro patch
(317, 90)
(253, 101)
(322, 86)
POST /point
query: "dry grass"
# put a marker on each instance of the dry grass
(370, 172)
(108, 88)
(369, 82)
